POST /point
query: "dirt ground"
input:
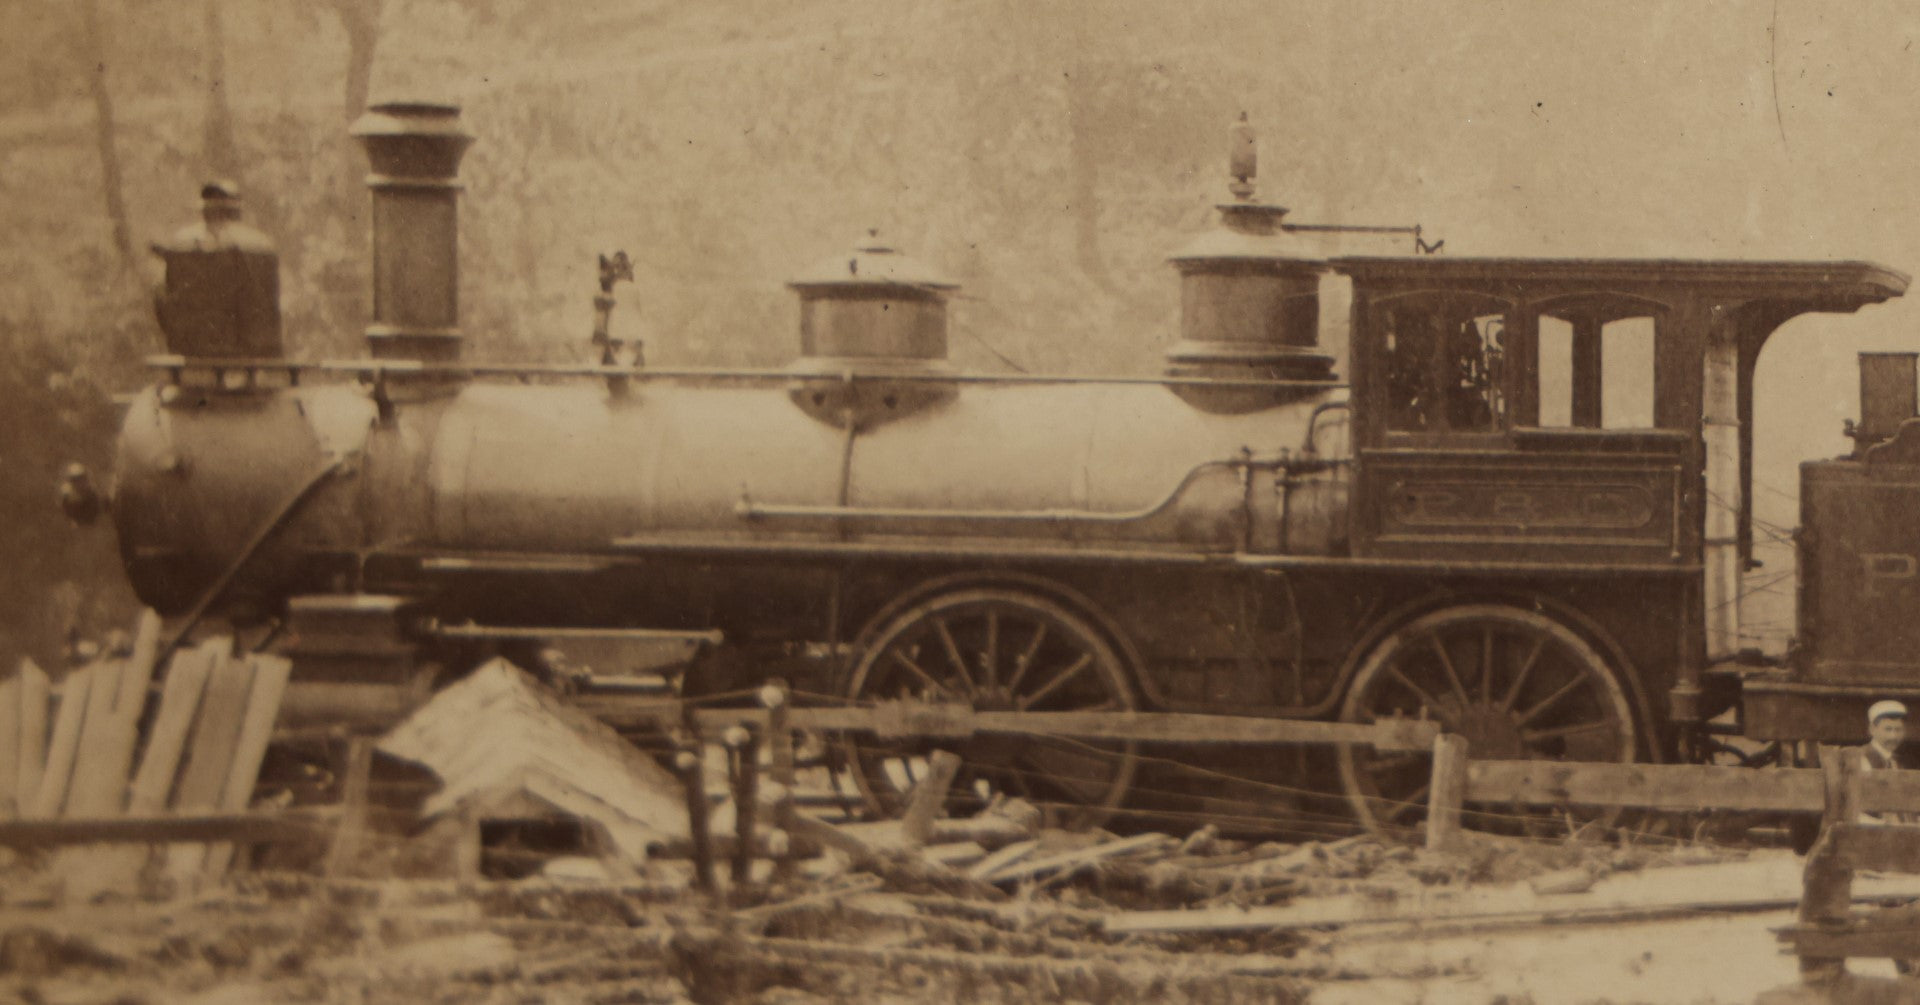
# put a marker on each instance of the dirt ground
(1429, 929)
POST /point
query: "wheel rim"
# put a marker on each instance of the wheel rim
(1517, 684)
(994, 650)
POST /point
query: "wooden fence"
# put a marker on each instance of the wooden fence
(1828, 932)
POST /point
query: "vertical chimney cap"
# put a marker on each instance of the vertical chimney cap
(413, 138)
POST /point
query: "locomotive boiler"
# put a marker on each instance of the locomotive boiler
(1456, 528)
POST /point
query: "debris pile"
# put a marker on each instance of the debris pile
(98, 752)
(573, 867)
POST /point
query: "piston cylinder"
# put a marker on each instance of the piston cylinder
(414, 151)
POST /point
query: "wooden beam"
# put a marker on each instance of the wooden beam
(1822, 942)
(1877, 847)
(10, 748)
(34, 689)
(357, 777)
(51, 792)
(1679, 786)
(98, 785)
(956, 722)
(1079, 858)
(243, 827)
(186, 678)
(209, 757)
(1448, 790)
(270, 675)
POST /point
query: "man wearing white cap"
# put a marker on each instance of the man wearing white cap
(1886, 729)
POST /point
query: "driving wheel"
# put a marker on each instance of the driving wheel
(1517, 684)
(991, 649)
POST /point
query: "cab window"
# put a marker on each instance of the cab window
(1594, 365)
(1445, 356)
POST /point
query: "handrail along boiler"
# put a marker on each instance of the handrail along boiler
(1446, 534)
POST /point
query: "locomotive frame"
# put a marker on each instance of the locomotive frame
(1443, 536)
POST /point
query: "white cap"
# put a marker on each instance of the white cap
(1882, 709)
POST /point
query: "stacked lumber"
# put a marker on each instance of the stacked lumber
(94, 748)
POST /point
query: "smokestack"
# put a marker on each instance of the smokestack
(414, 152)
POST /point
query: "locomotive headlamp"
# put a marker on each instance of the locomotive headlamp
(221, 295)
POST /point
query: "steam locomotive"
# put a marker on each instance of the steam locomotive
(1455, 528)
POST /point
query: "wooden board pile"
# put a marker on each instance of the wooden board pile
(94, 747)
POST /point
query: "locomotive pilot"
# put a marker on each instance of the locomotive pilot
(1886, 730)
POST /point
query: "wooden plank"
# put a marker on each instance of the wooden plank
(1076, 859)
(180, 697)
(10, 748)
(100, 768)
(34, 690)
(209, 757)
(1003, 858)
(1821, 942)
(287, 825)
(940, 721)
(356, 780)
(131, 699)
(98, 786)
(928, 797)
(256, 731)
(1878, 847)
(1662, 786)
(1448, 789)
(51, 790)
(186, 680)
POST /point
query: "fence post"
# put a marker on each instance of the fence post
(778, 701)
(693, 776)
(1826, 894)
(1447, 791)
(745, 776)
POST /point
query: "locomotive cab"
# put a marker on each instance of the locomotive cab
(1488, 430)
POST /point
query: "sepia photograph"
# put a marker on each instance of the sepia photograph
(803, 501)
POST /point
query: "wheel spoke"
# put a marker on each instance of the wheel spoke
(953, 652)
(990, 659)
(914, 668)
(1526, 669)
(1025, 702)
(1547, 702)
(1419, 692)
(1486, 665)
(1025, 660)
(1446, 665)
